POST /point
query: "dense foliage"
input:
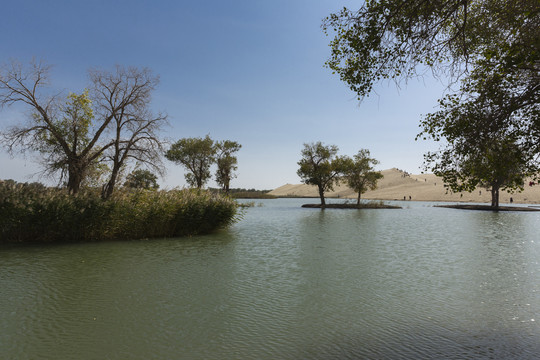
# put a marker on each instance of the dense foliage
(318, 166)
(141, 179)
(197, 155)
(398, 39)
(226, 162)
(359, 174)
(33, 213)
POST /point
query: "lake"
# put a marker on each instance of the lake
(286, 283)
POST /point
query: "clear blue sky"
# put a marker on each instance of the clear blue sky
(245, 70)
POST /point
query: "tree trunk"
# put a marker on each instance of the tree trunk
(359, 195)
(495, 197)
(108, 189)
(75, 177)
(321, 195)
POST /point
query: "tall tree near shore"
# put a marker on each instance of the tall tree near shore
(226, 162)
(65, 134)
(359, 174)
(488, 142)
(196, 155)
(319, 167)
(125, 95)
(73, 137)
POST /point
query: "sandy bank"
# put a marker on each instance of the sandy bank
(398, 185)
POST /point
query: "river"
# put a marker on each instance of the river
(286, 283)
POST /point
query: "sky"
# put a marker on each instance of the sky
(251, 71)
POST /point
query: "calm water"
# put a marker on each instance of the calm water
(286, 283)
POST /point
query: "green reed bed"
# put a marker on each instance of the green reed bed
(33, 213)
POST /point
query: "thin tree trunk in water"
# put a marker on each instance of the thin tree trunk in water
(495, 197)
(321, 195)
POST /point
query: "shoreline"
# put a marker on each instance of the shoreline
(397, 185)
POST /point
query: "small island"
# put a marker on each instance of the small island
(370, 205)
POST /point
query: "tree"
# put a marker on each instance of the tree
(73, 137)
(359, 174)
(398, 39)
(124, 96)
(196, 155)
(488, 141)
(64, 134)
(319, 167)
(226, 162)
(142, 179)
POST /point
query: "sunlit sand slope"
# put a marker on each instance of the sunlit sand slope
(398, 185)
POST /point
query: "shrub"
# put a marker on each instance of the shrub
(30, 213)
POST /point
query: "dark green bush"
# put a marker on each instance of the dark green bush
(30, 213)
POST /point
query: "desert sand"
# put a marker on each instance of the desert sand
(399, 185)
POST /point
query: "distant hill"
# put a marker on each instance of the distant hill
(397, 185)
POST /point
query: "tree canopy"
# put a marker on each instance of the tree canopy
(318, 166)
(195, 154)
(226, 162)
(142, 179)
(487, 142)
(399, 39)
(359, 174)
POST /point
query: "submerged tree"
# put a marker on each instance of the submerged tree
(359, 174)
(195, 154)
(226, 162)
(319, 167)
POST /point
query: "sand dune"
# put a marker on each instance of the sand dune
(397, 185)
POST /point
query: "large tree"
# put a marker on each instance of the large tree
(124, 95)
(65, 133)
(226, 162)
(319, 167)
(73, 136)
(487, 140)
(195, 154)
(359, 174)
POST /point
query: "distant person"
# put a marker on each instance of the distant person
(511, 200)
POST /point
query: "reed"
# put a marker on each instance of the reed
(33, 213)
